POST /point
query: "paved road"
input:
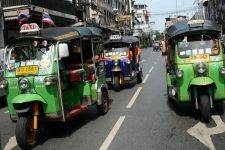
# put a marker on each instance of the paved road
(140, 118)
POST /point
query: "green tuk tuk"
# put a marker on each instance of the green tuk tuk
(195, 65)
(48, 77)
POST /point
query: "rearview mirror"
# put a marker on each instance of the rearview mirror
(63, 50)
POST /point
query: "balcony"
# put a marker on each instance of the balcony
(105, 6)
(10, 3)
(57, 5)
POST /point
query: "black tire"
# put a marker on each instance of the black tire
(116, 83)
(26, 138)
(104, 107)
(24, 130)
(220, 107)
(139, 77)
(204, 108)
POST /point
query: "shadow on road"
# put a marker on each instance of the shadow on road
(62, 130)
(3, 102)
(183, 109)
(188, 109)
(128, 85)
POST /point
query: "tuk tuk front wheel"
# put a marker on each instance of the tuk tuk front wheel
(104, 107)
(26, 136)
(220, 107)
(204, 108)
(116, 83)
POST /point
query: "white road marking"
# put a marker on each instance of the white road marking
(155, 62)
(143, 61)
(146, 78)
(6, 112)
(11, 144)
(112, 134)
(203, 134)
(150, 70)
(130, 104)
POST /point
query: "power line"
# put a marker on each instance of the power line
(173, 12)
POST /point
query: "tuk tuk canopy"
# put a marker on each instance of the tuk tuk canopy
(191, 27)
(123, 39)
(64, 33)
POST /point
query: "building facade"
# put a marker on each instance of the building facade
(141, 23)
(99, 13)
(173, 19)
(214, 10)
(107, 12)
(62, 13)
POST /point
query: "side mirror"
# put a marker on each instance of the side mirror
(63, 50)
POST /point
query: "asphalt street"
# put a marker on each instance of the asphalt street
(140, 118)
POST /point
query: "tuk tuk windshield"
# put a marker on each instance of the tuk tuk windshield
(197, 47)
(123, 52)
(39, 53)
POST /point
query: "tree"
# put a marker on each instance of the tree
(159, 35)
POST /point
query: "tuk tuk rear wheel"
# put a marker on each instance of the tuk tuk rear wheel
(116, 83)
(104, 107)
(139, 77)
(220, 107)
(204, 108)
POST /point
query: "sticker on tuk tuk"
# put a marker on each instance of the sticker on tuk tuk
(17, 65)
(37, 62)
(45, 63)
(215, 50)
(208, 51)
(188, 52)
(200, 51)
(200, 57)
(23, 63)
(182, 53)
(27, 70)
(194, 52)
(30, 63)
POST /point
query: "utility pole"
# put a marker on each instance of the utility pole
(2, 43)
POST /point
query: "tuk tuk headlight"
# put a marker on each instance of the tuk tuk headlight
(201, 68)
(50, 80)
(24, 83)
(116, 62)
(3, 84)
(222, 70)
(179, 73)
(128, 61)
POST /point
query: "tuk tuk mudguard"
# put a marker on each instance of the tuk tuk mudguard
(23, 98)
(27, 99)
(201, 81)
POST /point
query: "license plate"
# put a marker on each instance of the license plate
(201, 57)
(116, 57)
(27, 70)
